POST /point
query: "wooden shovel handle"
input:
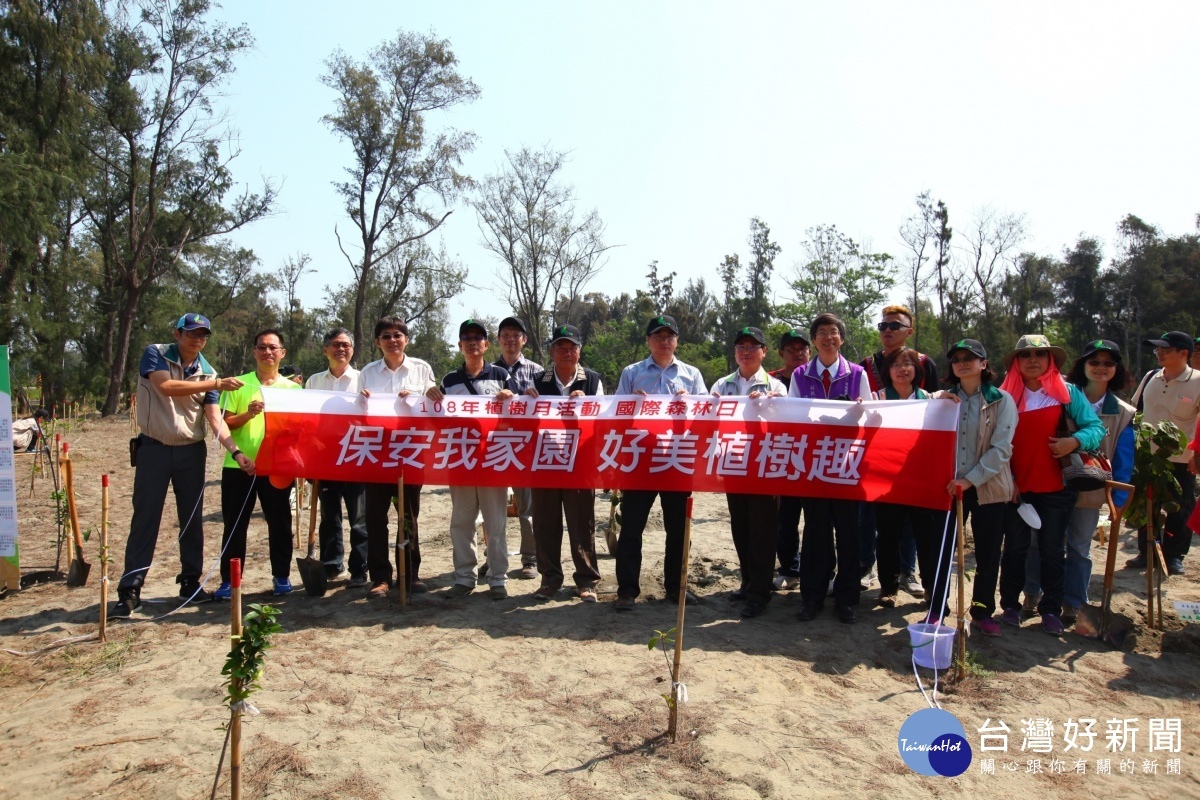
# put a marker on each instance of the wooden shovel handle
(312, 515)
(76, 533)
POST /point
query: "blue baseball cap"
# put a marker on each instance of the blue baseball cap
(193, 322)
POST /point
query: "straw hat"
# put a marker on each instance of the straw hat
(1036, 341)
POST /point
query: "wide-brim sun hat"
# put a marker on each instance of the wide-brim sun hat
(1036, 341)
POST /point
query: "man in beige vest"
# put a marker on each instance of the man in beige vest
(177, 391)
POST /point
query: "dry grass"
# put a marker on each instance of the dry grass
(78, 662)
(272, 765)
(355, 786)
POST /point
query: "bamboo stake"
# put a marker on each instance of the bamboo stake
(1151, 566)
(103, 556)
(673, 722)
(299, 487)
(235, 714)
(962, 589)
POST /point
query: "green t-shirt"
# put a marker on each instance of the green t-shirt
(250, 436)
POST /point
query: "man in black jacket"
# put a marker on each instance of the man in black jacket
(566, 378)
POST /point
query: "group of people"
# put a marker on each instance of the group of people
(1032, 532)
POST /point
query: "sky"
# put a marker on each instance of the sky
(685, 120)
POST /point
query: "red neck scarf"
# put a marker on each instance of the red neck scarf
(1052, 382)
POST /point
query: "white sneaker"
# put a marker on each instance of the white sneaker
(786, 582)
(866, 580)
(910, 584)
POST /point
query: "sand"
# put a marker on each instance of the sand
(517, 698)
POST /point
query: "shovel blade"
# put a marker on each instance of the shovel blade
(77, 573)
(312, 575)
(1090, 621)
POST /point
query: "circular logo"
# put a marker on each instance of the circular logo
(933, 742)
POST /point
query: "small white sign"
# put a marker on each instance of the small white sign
(1187, 611)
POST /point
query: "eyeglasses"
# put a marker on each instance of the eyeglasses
(474, 338)
(340, 346)
(511, 336)
(391, 337)
(267, 348)
(963, 360)
(833, 334)
(1105, 364)
(1033, 354)
(892, 326)
(748, 348)
(198, 334)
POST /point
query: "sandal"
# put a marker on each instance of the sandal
(887, 600)
(587, 595)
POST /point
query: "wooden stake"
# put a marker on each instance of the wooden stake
(673, 722)
(103, 556)
(402, 545)
(235, 715)
(299, 487)
(962, 587)
(1151, 566)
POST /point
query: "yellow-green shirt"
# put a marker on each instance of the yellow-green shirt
(249, 437)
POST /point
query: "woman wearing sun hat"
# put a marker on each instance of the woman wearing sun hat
(987, 418)
(1099, 372)
(1043, 399)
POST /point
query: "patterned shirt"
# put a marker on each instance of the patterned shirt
(490, 380)
(523, 371)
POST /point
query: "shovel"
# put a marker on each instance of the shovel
(312, 571)
(77, 572)
(1097, 621)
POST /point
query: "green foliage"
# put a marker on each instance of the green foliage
(244, 664)
(664, 641)
(1153, 471)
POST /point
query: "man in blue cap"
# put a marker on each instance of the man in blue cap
(177, 391)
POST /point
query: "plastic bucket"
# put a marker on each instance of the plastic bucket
(932, 645)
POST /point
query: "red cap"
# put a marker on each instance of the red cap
(104, 480)
(235, 573)
(65, 448)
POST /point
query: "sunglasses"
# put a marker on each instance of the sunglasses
(388, 337)
(1098, 363)
(964, 360)
(474, 339)
(892, 326)
(1033, 354)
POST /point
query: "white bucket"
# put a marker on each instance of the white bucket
(932, 645)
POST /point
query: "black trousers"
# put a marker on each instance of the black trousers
(788, 544)
(820, 549)
(332, 494)
(579, 506)
(238, 492)
(635, 510)
(379, 559)
(753, 520)
(987, 529)
(159, 466)
(927, 527)
(1176, 536)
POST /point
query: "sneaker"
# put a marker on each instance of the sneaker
(1029, 607)
(379, 589)
(1011, 617)
(867, 579)
(783, 582)
(459, 590)
(1137, 562)
(987, 626)
(358, 581)
(191, 591)
(1174, 566)
(128, 601)
(281, 586)
(498, 593)
(1052, 625)
(223, 592)
(910, 584)
(529, 572)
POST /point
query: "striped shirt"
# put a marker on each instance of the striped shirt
(649, 377)
(490, 380)
(413, 374)
(523, 371)
(325, 381)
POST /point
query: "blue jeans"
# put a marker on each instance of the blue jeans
(1054, 508)
(1078, 571)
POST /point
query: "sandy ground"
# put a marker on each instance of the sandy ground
(474, 698)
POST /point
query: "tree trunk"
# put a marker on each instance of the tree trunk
(116, 367)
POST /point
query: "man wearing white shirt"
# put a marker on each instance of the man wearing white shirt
(395, 374)
(341, 377)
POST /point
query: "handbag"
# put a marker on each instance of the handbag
(1082, 471)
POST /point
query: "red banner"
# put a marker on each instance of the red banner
(896, 452)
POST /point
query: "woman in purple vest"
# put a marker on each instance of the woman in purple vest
(829, 376)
